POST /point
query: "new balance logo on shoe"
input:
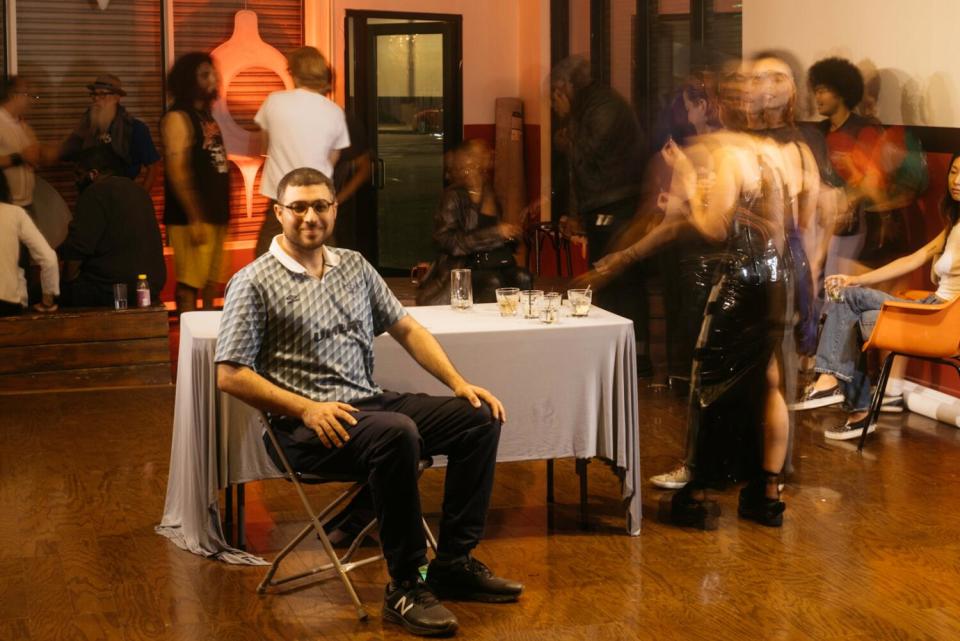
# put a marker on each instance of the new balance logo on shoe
(402, 606)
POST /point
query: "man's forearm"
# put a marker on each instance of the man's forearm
(258, 392)
(425, 349)
(150, 176)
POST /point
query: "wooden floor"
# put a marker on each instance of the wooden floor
(869, 549)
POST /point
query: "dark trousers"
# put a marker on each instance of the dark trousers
(393, 433)
(626, 295)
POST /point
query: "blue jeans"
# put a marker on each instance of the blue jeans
(839, 351)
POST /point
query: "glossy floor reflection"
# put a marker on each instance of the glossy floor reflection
(869, 549)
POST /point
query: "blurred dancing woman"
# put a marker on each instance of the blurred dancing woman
(732, 190)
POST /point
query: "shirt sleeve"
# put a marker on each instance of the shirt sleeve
(386, 309)
(261, 117)
(142, 145)
(342, 140)
(242, 324)
(42, 254)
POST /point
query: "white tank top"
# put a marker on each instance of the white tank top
(946, 271)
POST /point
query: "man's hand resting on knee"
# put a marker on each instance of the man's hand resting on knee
(475, 394)
(324, 419)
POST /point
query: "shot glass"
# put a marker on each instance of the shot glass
(530, 302)
(461, 289)
(120, 296)
(508, 301)
(580, 300)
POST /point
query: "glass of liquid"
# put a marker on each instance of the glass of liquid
(530, 302)
(580, 300)
(550, 308)
(508, 301)
(461, 289)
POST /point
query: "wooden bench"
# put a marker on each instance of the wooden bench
(84, 349)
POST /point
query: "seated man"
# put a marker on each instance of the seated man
(296, 340)
(113, 238)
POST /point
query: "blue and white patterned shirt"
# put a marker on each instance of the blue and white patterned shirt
(311, 336)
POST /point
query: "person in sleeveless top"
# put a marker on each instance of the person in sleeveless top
(853, 311)
(196, 182)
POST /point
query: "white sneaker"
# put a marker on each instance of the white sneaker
(672, 480)
(892, 404)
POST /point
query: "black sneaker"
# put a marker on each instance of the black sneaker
(892, 404)
(812, 399)
(467, 579)
(413, 605)
(850, 430)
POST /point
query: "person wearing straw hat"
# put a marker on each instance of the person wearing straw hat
(107, 123)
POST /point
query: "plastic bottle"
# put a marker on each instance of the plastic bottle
(143, 291)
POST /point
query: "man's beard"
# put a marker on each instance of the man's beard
(101, 117)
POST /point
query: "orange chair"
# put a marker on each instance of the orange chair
(927, 332)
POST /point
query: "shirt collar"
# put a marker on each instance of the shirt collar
(331, 259)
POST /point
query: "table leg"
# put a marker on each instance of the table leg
(241, 504)
(228, 513)
(582, 473)
(550, 499)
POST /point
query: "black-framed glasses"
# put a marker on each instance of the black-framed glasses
(31, 96)
(300, 207)
(94, 95)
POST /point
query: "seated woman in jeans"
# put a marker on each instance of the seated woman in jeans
(838, 352)
(470, 234)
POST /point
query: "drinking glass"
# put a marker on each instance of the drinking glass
(461, 289)
(120, 296)
(508, 300)
(550, 308)
(530, 302)
(580, 300)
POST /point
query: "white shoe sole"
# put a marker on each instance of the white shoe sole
(894, 407)
(848, 435)
(669, 485)
(817, 402)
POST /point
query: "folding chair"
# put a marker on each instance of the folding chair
(340, 565)
(927, 332)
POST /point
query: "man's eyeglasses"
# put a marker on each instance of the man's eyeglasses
(31, 96)
(300, 207)
(95, 95)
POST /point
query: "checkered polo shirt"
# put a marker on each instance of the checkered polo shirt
(311, 336)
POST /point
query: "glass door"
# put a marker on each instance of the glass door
(405, 88)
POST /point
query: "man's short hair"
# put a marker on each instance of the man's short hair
(574, 70)
(304, 177)
(839, 76)
(309, 68)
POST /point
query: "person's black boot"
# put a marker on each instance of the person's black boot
(467, 579)
(413, 605)
(684, 510)
(755, 505)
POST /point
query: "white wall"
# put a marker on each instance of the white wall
(912, 44)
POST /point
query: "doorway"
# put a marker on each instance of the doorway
(404, 86)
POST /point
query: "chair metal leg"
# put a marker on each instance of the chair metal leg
(431, 541)
(877, 400)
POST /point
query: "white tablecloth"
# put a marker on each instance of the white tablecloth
(570, 390)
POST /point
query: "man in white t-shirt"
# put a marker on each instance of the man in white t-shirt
(301, 127)
(19, 152)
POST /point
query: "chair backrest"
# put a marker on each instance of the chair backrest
(932, 331)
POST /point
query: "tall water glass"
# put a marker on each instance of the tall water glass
(461, 289)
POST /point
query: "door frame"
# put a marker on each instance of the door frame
(362, 86)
